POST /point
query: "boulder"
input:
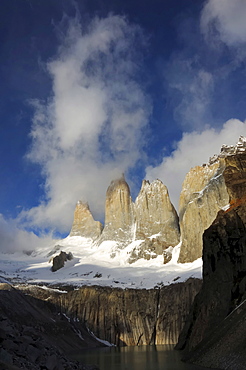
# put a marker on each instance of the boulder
(59, 261)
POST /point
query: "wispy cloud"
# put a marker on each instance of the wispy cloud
(224, 21)
(91, 127)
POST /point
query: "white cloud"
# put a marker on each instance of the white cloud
(15, 239)
(194, 149)
(90, 130)
(224, 19)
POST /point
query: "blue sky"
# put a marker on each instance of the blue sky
(91, 89)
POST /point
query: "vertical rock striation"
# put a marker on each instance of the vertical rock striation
(127, 316)
(84, 224)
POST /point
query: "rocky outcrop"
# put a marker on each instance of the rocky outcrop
(128, 316)
(84, 224)
(119, 213)
(224, 267)
(36, 335)
(59, 261)
(204, 193)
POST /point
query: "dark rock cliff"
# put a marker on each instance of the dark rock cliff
(224, 278)
(128, 316)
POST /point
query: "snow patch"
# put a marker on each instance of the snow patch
(104, 265)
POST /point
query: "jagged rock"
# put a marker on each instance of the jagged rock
(224, 281)
(119, 214)
(59, 261)
(84, 224)
(204, 193)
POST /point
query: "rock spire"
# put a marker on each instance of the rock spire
(84, 224)
(119, 214)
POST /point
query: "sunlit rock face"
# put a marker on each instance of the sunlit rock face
(156, 221)
(155, 214)
(119, 213)
(224, 282)
(128, 316)
(205, 191)
(203, 194)
(84, 224)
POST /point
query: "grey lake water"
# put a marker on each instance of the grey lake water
(162, 357)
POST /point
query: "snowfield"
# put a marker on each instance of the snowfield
(104, 265)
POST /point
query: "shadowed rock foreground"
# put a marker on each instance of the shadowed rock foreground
(34, 334)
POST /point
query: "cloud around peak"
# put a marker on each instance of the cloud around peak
(91, 127)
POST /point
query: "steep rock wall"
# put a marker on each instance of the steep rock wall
(224, 268)
(128, 316)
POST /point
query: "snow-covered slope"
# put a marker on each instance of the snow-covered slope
(104, 265)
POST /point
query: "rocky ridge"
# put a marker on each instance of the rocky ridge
(152, 219)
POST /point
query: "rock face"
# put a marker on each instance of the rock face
(119, 213)
(224, 278)
(156, 222)
(129, 316)
(205, 191)
(84, 223)
(155, 214)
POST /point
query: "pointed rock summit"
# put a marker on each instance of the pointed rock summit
(156, 222)
(84, 224)
(155, 214)
(119, 214)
